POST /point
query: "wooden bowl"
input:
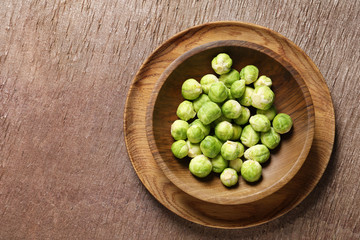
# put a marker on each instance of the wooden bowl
(291, 96)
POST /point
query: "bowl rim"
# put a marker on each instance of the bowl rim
(243, 199)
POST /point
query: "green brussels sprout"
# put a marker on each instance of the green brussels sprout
(229, 177)
(209, 112)
(219, 164)
(282, 123)
(180, 149)
(218, 92)
(224, 131)
(259, 153)
(262, 98)
(236, 132)
(210, 146)
(251, 170)
(270, 139)
(194, 149)
(195, 134)
(244, 116)
(260, 123)
(221, 63)
(200, 101)
(249, 74)
(269, 113)
(178, 129)
(236, 164)
(237, 89)
(205, 128)
(191, 89)
(231, 109)
(206, 82)
(230, 150)
(229, 78)
(185, 110)
(242, 149)
(200, 166)
(245, 99)
(249, 137)
(263, 81)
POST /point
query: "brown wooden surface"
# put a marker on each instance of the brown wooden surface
(65, 69)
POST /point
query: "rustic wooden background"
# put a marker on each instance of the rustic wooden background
(65, 69)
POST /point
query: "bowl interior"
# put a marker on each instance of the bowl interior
(291, 97)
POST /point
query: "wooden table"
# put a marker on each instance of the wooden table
(65, 69)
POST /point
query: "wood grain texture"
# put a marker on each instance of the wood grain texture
(65, 69)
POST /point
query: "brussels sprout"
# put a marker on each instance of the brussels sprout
(195, 134)
(200, 166)
(200, 101)
(229, 177)
(260, 123)
(194, 149)
(238, 88)
(219, 164)
(205, 128)
(206, 82)
(269, 113)
(209, 112)
(251, 170)
(230, 150)
(210, 146)
(221, 63)
(262, 98)
(236, 132)
(218, 92)
(236, 164)
(263, 81)
(178, 129)
(231, 109)
(244, 116)
(241, 147)
(282, 123)
(191, 89)
(245, 99)
(180, 149)
(271, 139)
(224, 131)
(259, 153)
(249, 137)
(249, 74)
(185, 110)
(229, 78)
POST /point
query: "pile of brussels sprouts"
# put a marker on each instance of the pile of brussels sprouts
(224, 127)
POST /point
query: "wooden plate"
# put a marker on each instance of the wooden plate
(210, 214)
(292, 97)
